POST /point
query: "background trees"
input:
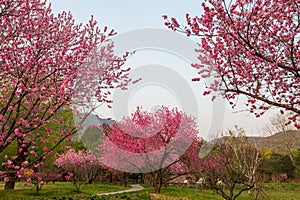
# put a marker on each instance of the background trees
(254, 48)
(288, 135)
(42, 59)
(276, 165)
(82, 166)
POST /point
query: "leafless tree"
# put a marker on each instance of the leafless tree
(288, 134)
(231, 168)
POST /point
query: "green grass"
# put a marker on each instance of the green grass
(65, 191)
(275, 191)
(59, 190)
(283, 190)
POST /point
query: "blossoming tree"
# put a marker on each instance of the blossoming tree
(254, 51)
(82, 166)
(39, 179)
(42, 57)
(162, 145)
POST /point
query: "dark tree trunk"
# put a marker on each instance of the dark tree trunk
(142, 179)
(125, 178)
(90, 181)
(158, 181)
(10, 185)
(157, 188)
(110, 177)
(12, 176)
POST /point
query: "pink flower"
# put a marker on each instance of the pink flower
(195, 79)
(48, 130)
(206, 92)
(17, 132)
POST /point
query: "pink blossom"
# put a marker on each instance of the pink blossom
(48, 130)
(25, 163)
(253, 51)
(49, 84)
(18, 133)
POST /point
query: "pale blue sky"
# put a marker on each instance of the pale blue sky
(124, 16)
(127, 15)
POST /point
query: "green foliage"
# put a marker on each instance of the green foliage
(9, 151)
(66, 123)
(266, 152)
(277, 164)
(92, 137)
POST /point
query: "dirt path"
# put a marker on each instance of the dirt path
(134, 188)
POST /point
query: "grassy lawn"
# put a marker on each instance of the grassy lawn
(59, 190)
(274, 191)
(65, 191)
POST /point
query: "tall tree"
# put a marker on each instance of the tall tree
(162, 144)
(254, 50)
(44, 61)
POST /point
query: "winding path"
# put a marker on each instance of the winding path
(134, 188)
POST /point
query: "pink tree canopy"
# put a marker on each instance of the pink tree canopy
(254, 48)
(147, 141)
(42, 57)
(82, 165)
(162, 144)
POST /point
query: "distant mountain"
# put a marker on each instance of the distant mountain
(276, 143)
(105, 121)
(279, 141)
(96, 121)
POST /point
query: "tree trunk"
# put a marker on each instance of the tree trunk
(12, 176)
(125, 179)
(157, 188)
(10, 185)
(158, 181)
(142, 179)
(110, 178)
(37, 189)
(90, 181)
